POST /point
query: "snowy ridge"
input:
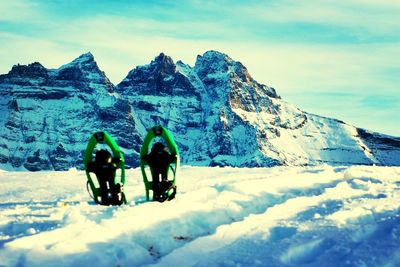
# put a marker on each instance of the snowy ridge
(281, 216)
(218, 114)
(48, 115)
(221, 116)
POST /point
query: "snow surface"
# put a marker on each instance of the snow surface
(281, 216)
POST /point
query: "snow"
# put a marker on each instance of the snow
(281, 216)
(311, 138)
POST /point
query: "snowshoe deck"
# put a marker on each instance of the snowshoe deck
(112, 195)
(166, 189)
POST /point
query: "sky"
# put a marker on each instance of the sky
(338, 59)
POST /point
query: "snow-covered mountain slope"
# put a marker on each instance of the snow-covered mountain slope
(281, 216)
(221, 116)
(47, 115)
(218, 114)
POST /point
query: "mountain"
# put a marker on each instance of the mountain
(48, 115)
(221, 116)
(218, 114)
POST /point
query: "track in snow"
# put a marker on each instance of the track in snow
(266, 216)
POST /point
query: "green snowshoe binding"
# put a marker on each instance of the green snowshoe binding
(108, 190)
(163, 162)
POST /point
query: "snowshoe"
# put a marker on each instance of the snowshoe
(110, 190)
(166, 188)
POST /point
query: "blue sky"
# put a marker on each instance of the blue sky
(338, 59)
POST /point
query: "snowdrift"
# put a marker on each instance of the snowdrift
(282, 216)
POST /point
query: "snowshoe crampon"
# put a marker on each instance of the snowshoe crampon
(165, 190)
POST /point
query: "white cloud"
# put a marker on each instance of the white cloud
(119, 45)
(24, 50)
(18, 11)
(374, 17)
(294, 69)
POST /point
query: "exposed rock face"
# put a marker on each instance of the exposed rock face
(48, 115)
(218, 114)
(160, 93)
(221, 116)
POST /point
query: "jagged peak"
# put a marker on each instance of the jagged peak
(161, 56)
(216, 62)
(163, 59)
(84, 58)
(222, 59)
(163, 63)
(216, 54)
(30, 70)
(84, 62)
(34, 65)
(213, 55)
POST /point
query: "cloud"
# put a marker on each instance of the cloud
(345, 21)
(18, 11)
(310, 53)
(119, 44)
(21, 49)
(321, 67)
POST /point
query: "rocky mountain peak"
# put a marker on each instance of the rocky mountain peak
(212, 62)
(84, 62)
(163, 64)
(218, 114)
(163, 58)
(217, 62)
(213, 67)
(83, 73)
(158, 77)
(32, 74)
(32, 70)
(86, 57)
(213, 55)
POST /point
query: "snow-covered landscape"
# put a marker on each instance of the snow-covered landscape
(340, 212)
(218, 114)
(279, 120)
(281, 216)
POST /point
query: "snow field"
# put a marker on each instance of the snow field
(282, 216)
